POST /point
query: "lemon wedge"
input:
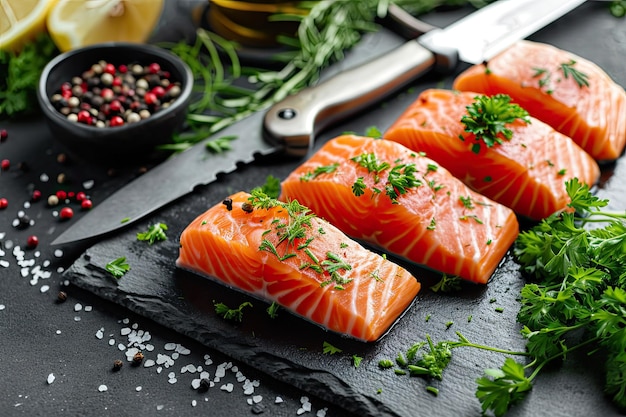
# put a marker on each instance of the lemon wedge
(21, 21)
(73, 24)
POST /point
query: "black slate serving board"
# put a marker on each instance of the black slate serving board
(290, 349)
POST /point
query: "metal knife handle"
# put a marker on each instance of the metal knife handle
(294, 121)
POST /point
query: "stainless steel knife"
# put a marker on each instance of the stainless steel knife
(291, 125)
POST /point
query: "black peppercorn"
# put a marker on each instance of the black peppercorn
(137, 358)
(205, 384)
(117, 365)
(228, 202)
(247, 207)
(62, 296)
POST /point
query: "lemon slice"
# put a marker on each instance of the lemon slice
(73, 24)
(21, 21)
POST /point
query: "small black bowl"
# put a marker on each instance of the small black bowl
(132, 141)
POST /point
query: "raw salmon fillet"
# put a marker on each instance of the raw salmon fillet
(433, 220)
(285, 254)
(526, 173)
(534, 76)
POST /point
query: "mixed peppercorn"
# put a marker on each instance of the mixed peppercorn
(107, 95)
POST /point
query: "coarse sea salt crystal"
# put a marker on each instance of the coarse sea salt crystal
(44, 288)
(100, 333)
(278, 400)
(78, 307)
(193, 403)
(4, 264)
(148, 363)
(51, 378)
(138, 388)
(102, 388)
(2, 307)
(227, 387)
(321, 413)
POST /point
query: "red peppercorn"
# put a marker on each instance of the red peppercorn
(158, 91)
(110, 68)
(66, 87)
(3, 135)
(117, 82)
(116, 121)
(32, 241)
(84, 117)
(86, 204)
(122, 69)
(115, 106)
(66, 213)
(80, 196)
(70, 194)
(5, 164)
(36, 195)
(66, 94)
(61, 195)
(4, 203)
(150, 98)
(154, 68)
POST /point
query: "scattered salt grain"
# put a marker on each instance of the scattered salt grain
(76, 318)
(58, 332)
(78, 307)
(44, 288)
(4, 264)
(159, 407)
(111, 342)
(193, 403)
(138, 388)
(125, 331)
(278, 400)
(321, 413)
(44, 177)
(148, 363)
(227, 387)
(100, 333)
(51, 378)
(88, 308)
(88, 185)
(121, 346)
(2, 307)
(257, 399)
(58, 253)
(102, 388)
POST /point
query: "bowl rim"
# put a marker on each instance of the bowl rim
(186, 85)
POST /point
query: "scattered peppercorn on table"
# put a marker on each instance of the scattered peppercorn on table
(76, 340)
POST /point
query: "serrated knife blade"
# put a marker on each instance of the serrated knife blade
(291, 125)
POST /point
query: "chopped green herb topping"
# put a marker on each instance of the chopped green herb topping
(324, 169)
(328, 349)
(118, 267)
(156, 232)
(487, 117)
(231, 313)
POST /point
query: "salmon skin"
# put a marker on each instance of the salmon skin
(570, 93)
(281, 252)
(403, 202)
(526, 173)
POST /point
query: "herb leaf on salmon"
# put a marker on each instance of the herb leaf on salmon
(487, 118)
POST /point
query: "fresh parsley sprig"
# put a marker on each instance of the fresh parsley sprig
(487, 118)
